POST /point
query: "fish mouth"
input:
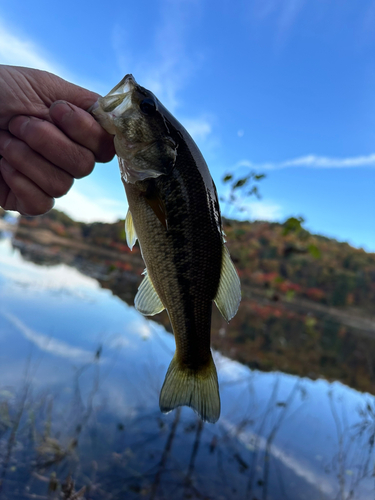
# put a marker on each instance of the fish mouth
(106, 109)
(126, 85)
(119, 99)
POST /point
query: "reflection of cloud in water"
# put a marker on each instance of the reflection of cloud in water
(133, 329)
(142, 329)
(48, 344)
(121, 402)
(297, 465)
(263, 412)
(230, 369)
(55, 278)
(118, 342)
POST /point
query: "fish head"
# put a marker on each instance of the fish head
(142, 139)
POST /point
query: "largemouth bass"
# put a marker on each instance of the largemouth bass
(174, 212)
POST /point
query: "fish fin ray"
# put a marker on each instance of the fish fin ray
(147, 300)
(198, 389)
(228, 295)
(131, 235)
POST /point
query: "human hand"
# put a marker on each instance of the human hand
(47, 139)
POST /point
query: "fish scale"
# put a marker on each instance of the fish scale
(203, 253)
(174, 213)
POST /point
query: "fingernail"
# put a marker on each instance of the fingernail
(61, 110)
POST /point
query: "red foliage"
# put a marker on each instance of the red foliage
(315, 293)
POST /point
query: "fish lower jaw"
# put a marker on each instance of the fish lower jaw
(93, 107)
(104, 119)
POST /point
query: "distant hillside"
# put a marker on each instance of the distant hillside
(110, 236)
(292, 263)
(300, 264)
(307, 301)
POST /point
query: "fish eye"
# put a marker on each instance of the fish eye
(148, 106)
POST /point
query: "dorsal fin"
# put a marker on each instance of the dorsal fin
(228, 296)
(131, 235)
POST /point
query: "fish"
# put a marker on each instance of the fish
(175, 215)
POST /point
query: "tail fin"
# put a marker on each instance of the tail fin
(198, 389)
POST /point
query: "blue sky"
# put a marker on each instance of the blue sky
(282, 87)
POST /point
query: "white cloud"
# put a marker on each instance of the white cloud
(198, 128)
(89, 209)
(165, 68)
(313, 161)
(96, 209)
(169, 63)
(282, 13)
(265, 210)
(17, 49)
(288, 14)
(21, 51)
(172, 60)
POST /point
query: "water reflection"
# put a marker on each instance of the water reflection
(80, 375)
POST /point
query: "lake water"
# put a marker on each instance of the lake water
(80, 375)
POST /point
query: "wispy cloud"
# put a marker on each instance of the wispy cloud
(169, 64)
(91, 209)
(198, 128)
(265, 210)
(289, 10)
(283, 13)
(19, 50)
(313, 161)
(173, 64)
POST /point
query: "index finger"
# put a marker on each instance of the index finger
(83, 129)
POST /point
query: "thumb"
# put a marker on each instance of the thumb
(51, 88)
(66, 91)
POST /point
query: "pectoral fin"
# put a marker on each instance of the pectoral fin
(131, 235)
(147, 300)
(158, 208)
(228, 296)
